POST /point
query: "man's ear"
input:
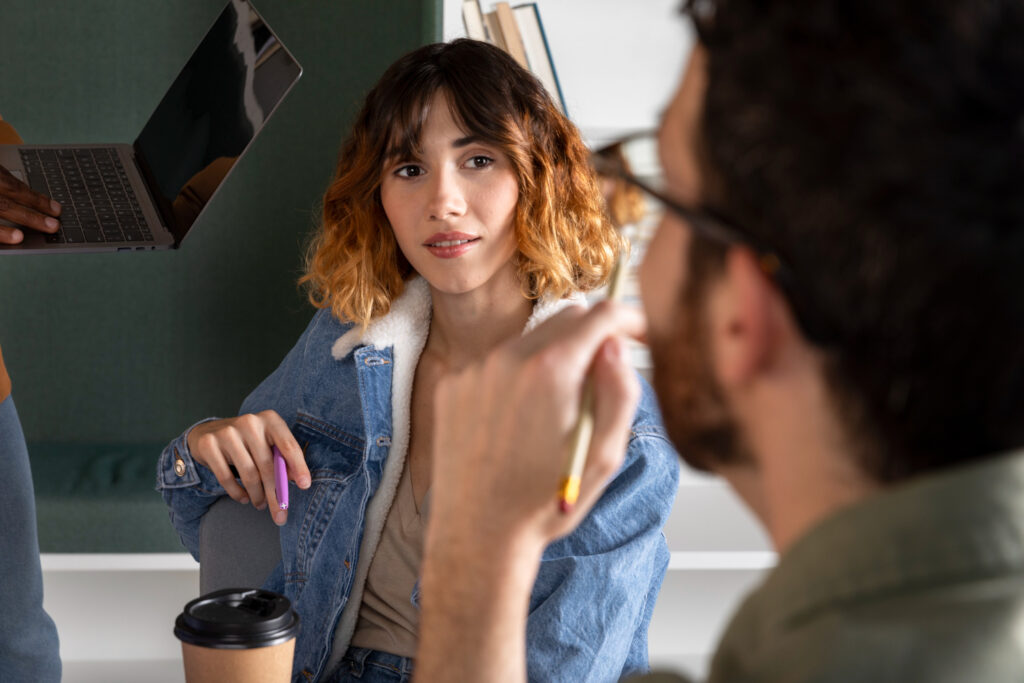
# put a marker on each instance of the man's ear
(745, 319)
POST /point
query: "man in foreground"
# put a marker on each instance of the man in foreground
(835, 311)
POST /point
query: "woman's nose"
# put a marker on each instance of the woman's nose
(447, 198)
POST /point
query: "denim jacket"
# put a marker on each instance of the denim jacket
(346, 394)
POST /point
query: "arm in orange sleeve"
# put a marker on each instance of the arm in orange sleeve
(5, 380)
(8, 136)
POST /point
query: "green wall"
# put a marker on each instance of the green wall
(131, 348)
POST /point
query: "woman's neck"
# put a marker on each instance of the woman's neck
(465, 327)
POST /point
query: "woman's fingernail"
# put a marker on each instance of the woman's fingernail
(16, 236)
(303, 482)
(51, 223)
(280, 517)
(244, 501)
(54, 206)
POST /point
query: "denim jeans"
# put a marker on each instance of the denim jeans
(371, 666)
(28, 637)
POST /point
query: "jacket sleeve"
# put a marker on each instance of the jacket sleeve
(9, 136)
(188, 488)
(595, 589)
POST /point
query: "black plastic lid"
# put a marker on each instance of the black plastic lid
(237, 619)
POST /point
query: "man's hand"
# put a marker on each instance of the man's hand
(501, 444)
(500, 451)
(20, 205)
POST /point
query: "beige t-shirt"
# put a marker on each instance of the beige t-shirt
(388, 621)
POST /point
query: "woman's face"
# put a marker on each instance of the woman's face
(451, 207)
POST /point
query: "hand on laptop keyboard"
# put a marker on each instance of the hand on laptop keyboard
(20, 205)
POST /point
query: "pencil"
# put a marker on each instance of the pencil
(280, 479)
(579, 442)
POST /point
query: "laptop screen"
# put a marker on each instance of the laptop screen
(212, 111)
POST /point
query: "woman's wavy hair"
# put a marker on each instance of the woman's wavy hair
(565, 241)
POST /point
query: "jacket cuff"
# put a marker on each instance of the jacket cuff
(177, 469)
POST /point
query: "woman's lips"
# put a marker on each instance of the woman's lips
(450, 245)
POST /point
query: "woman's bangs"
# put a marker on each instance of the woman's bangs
(406, 129)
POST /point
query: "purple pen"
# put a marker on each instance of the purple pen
(281, 479)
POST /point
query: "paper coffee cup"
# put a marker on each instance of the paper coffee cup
(236, 635)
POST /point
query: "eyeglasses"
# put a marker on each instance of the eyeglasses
(639, 150)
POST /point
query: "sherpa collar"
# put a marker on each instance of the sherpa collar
(408, 321)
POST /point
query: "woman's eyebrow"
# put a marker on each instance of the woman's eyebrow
(467, 140)
(406, 151)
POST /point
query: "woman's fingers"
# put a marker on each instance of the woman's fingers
(237, 451)
(214, 459)
(278, 434)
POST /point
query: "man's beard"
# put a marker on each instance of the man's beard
(693, 405)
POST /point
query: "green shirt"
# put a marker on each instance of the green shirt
(922, 582)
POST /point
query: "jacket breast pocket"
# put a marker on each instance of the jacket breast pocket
(331, 453)
(335, 461)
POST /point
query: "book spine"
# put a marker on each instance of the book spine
(538, 51)
(509, 30)
(473, 20)
(493, 27)
(551, 61)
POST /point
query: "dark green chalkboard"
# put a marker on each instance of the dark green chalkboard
(127, 349)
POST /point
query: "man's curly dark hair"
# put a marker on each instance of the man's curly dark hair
(879, 146)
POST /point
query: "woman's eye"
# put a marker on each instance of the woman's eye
(480, 161)
(408, 171)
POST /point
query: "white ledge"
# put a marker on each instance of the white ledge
(92, 562)
(718, 560)
(69, 562)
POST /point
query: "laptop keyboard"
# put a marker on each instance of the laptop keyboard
(98, 202)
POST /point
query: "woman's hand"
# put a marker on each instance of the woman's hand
(245, 442)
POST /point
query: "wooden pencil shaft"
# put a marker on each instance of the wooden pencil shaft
(583, 430)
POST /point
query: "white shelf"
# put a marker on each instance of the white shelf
(105, 671)
(94, 562)
(135, 562)
(117, 608)
(741, 560)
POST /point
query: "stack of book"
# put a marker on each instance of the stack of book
(517, 30)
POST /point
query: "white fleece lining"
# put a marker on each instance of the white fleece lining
(405, 329)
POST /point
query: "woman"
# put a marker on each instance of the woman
(462, 212)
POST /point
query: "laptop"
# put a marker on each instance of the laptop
(147, 195)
